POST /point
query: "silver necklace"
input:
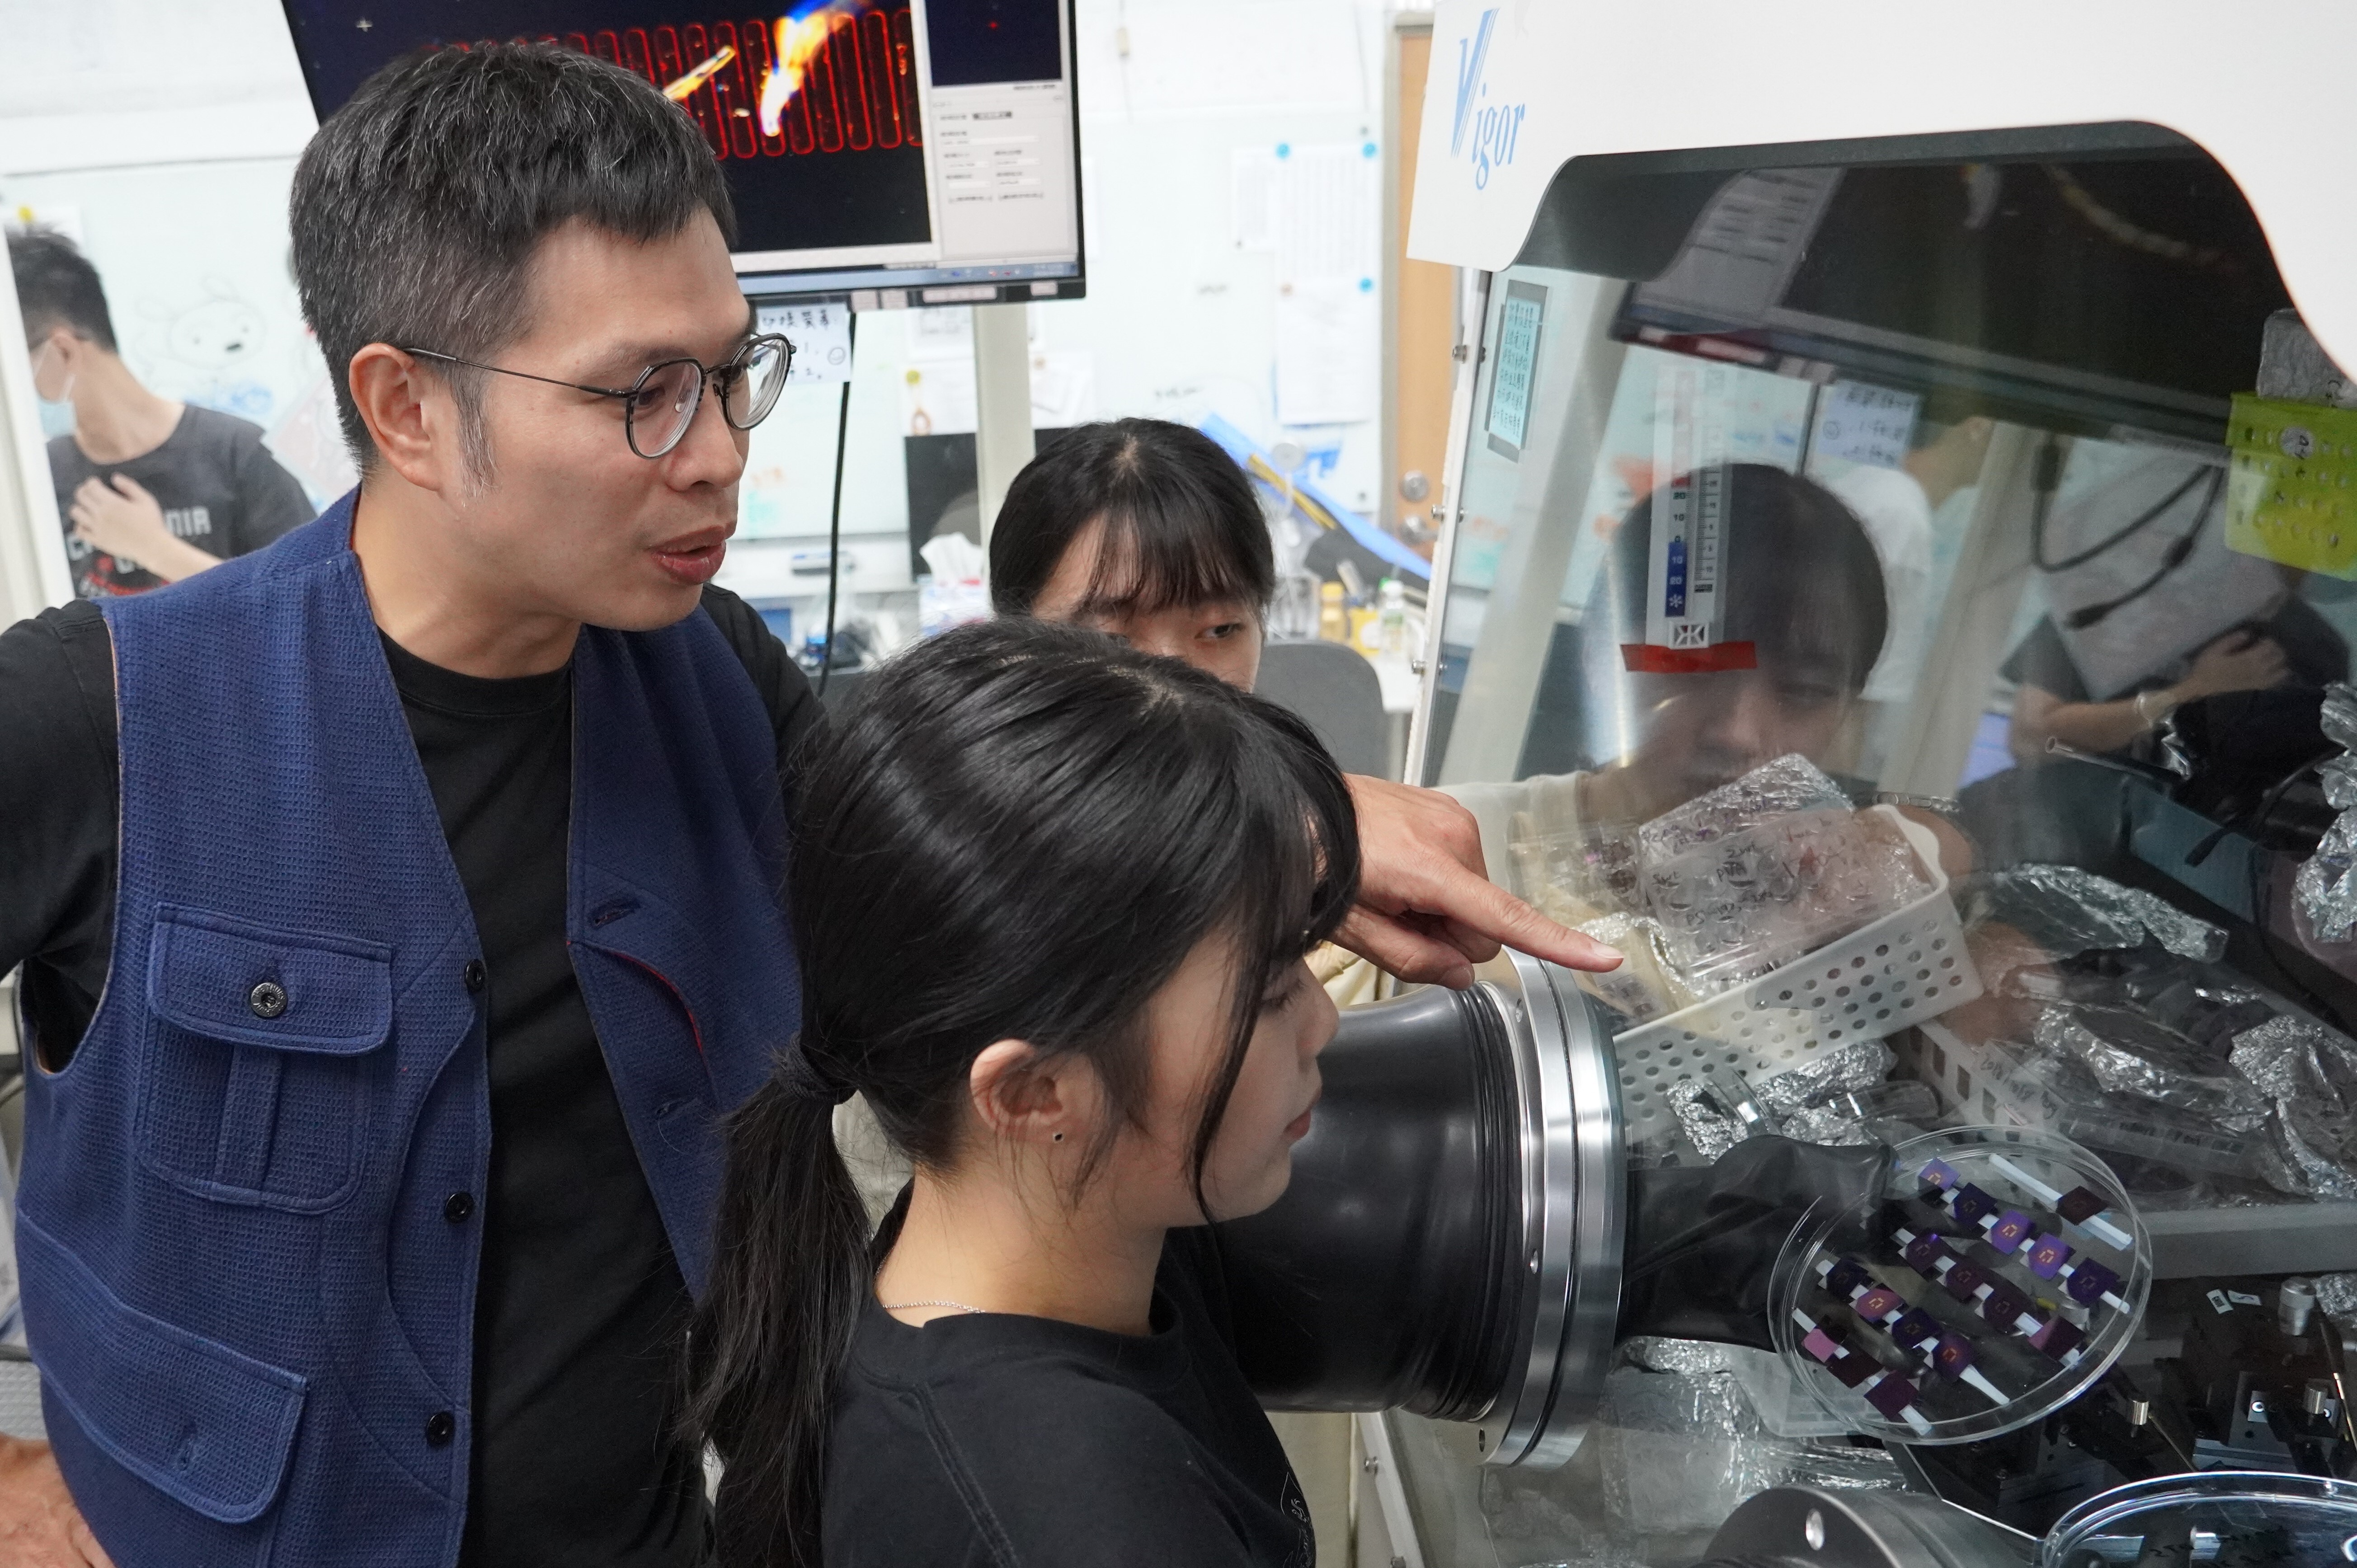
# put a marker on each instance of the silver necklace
(904, 1306)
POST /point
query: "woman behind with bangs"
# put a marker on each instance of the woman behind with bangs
(1146, 530)
(1053, 897)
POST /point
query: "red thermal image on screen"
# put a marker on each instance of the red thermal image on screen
(855, 83)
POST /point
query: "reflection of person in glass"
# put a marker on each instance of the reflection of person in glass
(1803, 617)
(150, 490)
(2292, 645)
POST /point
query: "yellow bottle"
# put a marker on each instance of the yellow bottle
(1333, 621)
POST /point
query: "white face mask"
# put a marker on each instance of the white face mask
(57, 414)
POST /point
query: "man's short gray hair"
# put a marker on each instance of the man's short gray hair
(418, 205)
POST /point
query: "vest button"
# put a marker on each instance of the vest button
(459, 1206)
(268, 999)
(440, 1428)
(474, 974)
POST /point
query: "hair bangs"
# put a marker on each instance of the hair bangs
(1154, 555)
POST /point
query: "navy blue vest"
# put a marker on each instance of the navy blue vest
(254, 1324)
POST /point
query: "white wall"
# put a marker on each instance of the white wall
(162, 132)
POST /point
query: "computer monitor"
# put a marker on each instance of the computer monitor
(885, 152)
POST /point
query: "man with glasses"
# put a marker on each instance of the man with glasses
(389, 969)
(374, 1130)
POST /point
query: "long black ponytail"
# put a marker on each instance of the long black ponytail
(1021, 832)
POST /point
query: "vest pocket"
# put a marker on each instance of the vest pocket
(206, 1426)
(254, 1079)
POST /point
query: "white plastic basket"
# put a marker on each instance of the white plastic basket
(1884, 977)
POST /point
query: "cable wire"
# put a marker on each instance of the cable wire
(834, 511)
(2046, 503)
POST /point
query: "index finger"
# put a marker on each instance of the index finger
(1488, 909)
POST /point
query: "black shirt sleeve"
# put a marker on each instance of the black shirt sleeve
(58, 767)
(794, 711)
(273, 499)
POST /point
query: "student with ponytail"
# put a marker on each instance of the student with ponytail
(1052, 897)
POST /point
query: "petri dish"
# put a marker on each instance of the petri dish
(2247, 1517)
(2001, 1272)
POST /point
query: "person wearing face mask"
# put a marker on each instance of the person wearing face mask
(150, 490)
(1053, 896)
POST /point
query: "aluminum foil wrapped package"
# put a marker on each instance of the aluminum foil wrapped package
(1817, 1103)
(2056, 1079)
(1827, 1124)
(1679, 1453)
(1687, 1358)
(2337, 1294)
(2339, 777)
(1838, 1069)
(2326, 887)
(2065, 911)
(2311, 1073)
(2337, 717)
(2133, 1054)
(1711, 1124)
(2313, 1157)
(2288, 1057)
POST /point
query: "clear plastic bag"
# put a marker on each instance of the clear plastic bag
(1789, 785)
(1571, 871)
(2131, 1053)
(1736, 906)
(1643, 987)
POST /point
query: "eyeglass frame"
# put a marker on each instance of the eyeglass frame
(705, 376)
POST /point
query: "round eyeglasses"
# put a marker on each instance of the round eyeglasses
(661, 403)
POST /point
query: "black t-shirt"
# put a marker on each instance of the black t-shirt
(580, 1300)
(997, 1440)
(218, 486)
